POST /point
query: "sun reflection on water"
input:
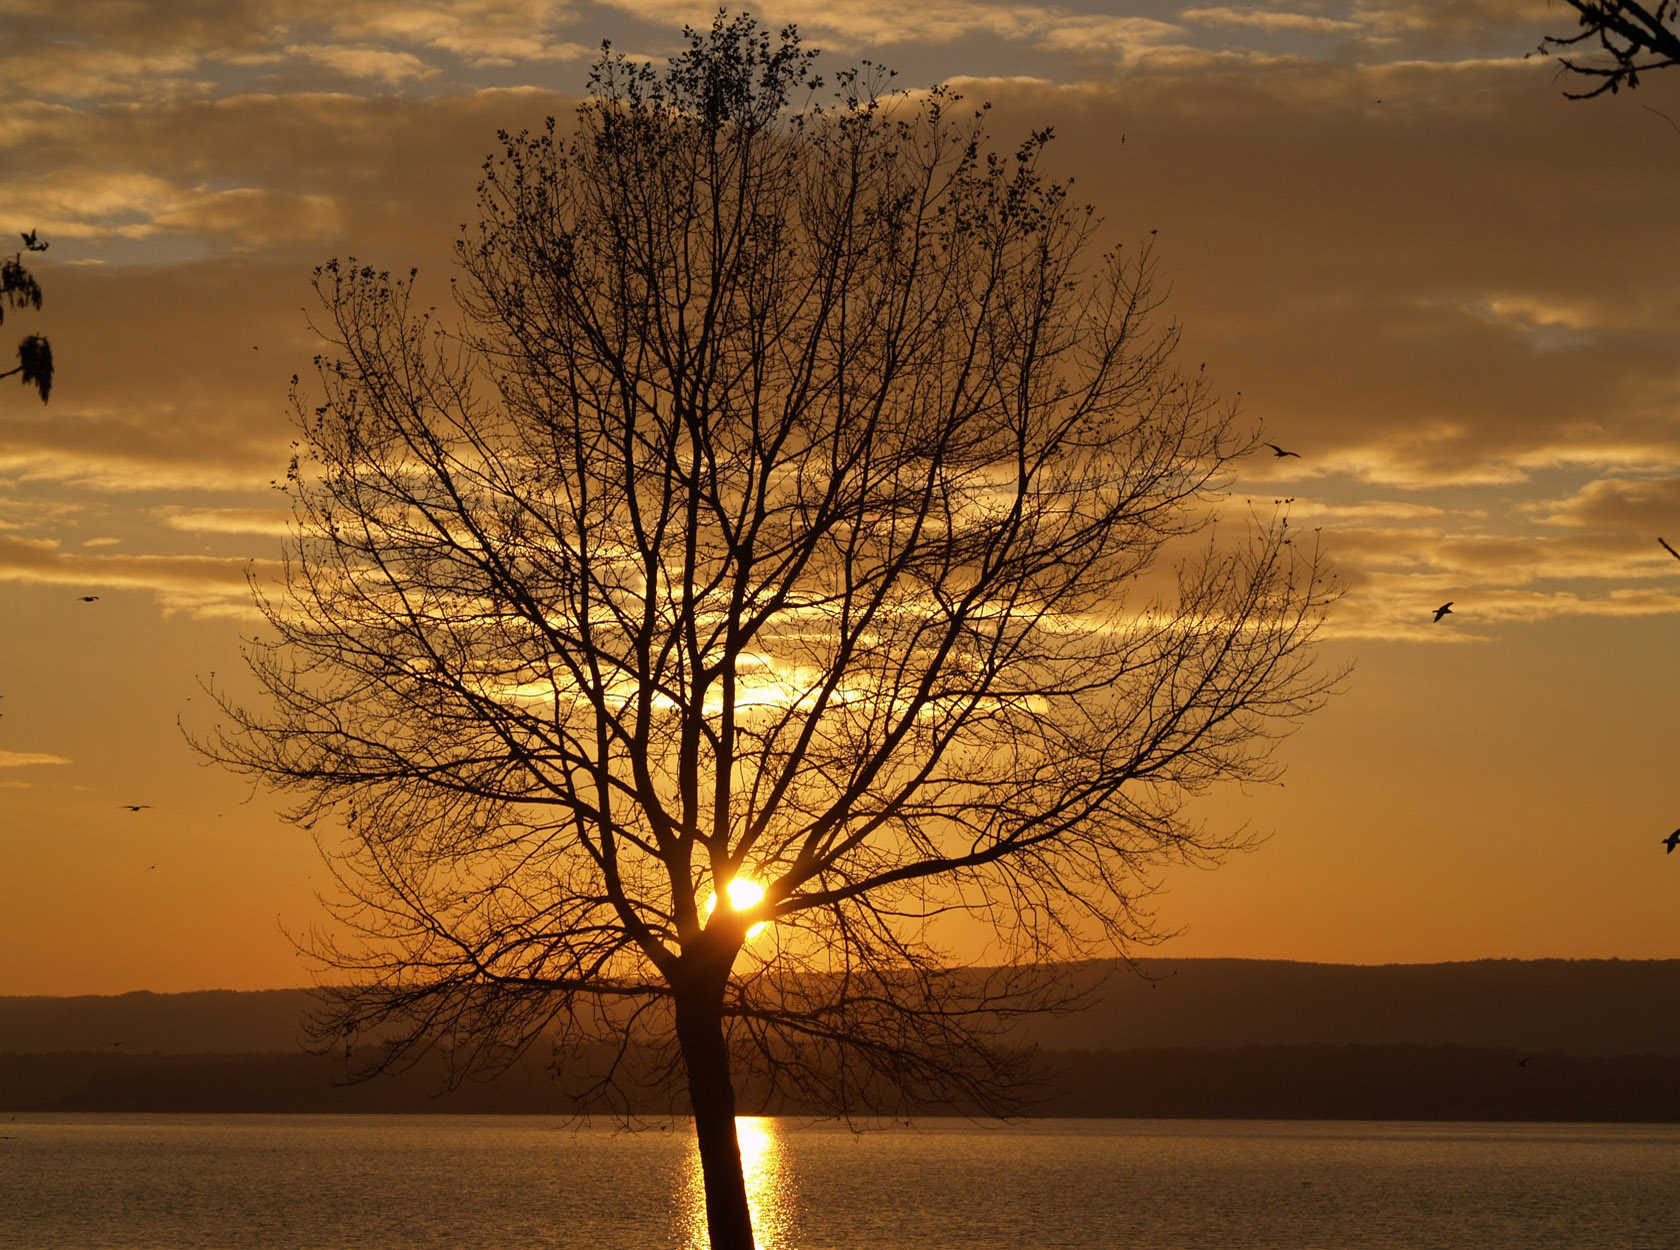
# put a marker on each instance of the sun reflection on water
(764, 1164)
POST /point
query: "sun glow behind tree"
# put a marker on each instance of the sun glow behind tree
(743, 895)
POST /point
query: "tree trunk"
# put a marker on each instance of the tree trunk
(711, 1090)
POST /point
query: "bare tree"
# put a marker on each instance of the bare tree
(20, 289)
(785, 519)
(1636, 38)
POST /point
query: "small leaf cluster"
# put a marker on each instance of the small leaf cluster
(19, 289)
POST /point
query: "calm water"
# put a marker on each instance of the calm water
(142, 1182)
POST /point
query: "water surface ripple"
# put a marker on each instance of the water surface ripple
(179, 1182)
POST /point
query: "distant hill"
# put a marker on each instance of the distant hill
(1490, 1039)
(1583, 1007)
(220, 1022)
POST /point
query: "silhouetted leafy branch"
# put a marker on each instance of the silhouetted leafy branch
(20, 289)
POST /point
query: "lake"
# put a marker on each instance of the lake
(181, 1182)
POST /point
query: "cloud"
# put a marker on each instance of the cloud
(437, 21)
(280, 175)
(173, 49)
(1503, 608)
(275, 522)
(1405, 310)
(103, 472)
(1493, 559)
(77, 71)
(1396, 575)
(29, 121)
(1648, 507)
(89, 204)
(1187, 41)
(380, 65)
(1395, 608)
(1125, 37)
(860, 22)
(1269, 20)
(151, 448)
(1301, 509)
(1473, 19)
(1507, 605)
(23, 759)
(1411, 259)
(18, 513)
(1580, 315)
(482, 32)
(199, 585)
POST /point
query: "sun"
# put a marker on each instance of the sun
(742, 895)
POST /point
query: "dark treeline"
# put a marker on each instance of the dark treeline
(1266, 1082)
(1363, 1082)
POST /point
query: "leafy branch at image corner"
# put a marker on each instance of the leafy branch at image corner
(1637, 38)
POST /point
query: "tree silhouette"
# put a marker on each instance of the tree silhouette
(19, 289)
(795, 503)
(1637, 38)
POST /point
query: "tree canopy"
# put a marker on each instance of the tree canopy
(796, 495)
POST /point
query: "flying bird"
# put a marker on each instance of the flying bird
(1671, 841)
(1444, 609)
(87, 598)
(32, 243)
(1671, 551)
(134, 807)
(1280, 453)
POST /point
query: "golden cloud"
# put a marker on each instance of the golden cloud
(1646, 506)
(274, 522)
(199, 585)
(24, 759)
(1269, 20)
(89, 204)
(1411, 265)
(482, 32)
(380, 65)
(77, 71)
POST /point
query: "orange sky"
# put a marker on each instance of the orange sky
(1452, 290)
